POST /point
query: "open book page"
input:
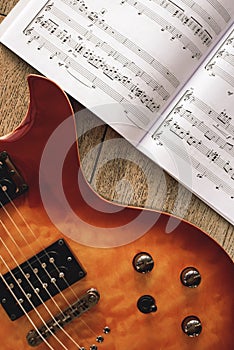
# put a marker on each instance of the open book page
(195, 142)
(125, 60)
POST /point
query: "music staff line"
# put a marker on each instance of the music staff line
(224, 54)
(46, 7)
(69, 64)
(110, 51)
(219, 183)
(216, 70)
(121, 39)
(190, 22)
(98, 62)
(222, 48)
(207, 132)
(109, 71)
(220, 10)
(222, 117)
(202, 13)
(210, 154)
(201, 170)
(228, 57)
(230, 41)
(187, 20)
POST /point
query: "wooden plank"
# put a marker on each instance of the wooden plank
(90, 132)
(114, 168)
(6, 6)
(14, 104)
(126, 176)
(16, 94)
(13, 90)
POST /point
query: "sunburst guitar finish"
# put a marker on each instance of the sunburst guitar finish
(79, 272)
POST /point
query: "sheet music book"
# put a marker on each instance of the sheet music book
(160, 72)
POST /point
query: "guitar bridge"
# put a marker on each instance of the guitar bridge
(82, 305)
(12, 183)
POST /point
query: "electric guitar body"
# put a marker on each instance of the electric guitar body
(78, 272)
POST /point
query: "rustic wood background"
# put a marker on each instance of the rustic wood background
(112, 166)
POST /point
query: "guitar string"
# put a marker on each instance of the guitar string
(38, 259)
(31, 231)
(18, 302)
(31, 285)
(22, 308)
(41, 245)
(43, 248)
(70, 306)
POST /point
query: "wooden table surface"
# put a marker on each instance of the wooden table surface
(119, 173)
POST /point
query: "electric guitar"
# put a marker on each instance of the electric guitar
(78, 272)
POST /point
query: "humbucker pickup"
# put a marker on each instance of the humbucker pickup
(38, 279)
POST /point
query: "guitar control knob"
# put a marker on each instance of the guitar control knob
(143, 263)
(146, 304)
(190, 277)
(192, 326)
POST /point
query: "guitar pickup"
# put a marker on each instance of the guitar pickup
(12, 183)
(38, 279)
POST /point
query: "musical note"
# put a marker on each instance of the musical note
(201, 170)
(40, 46)
(213, 155)
(227, 167)
(229, 146)
(33, 37)
(192, 24)
(49, 7)
(220, 72)
(111, 52)
(93, 16)
(83, 75)
(201, 175)
(197, 123)
(39, 19)
(230, 41)
(101, 24)
(207, 17)
(49, 25)
(179, 131)
(64, 36)
(217, 66)
(28, 30)
(191, 140)
(224, 118)
(211, 135)
(188, 96)
(77, 48)
(54, 54)
(80, 47)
